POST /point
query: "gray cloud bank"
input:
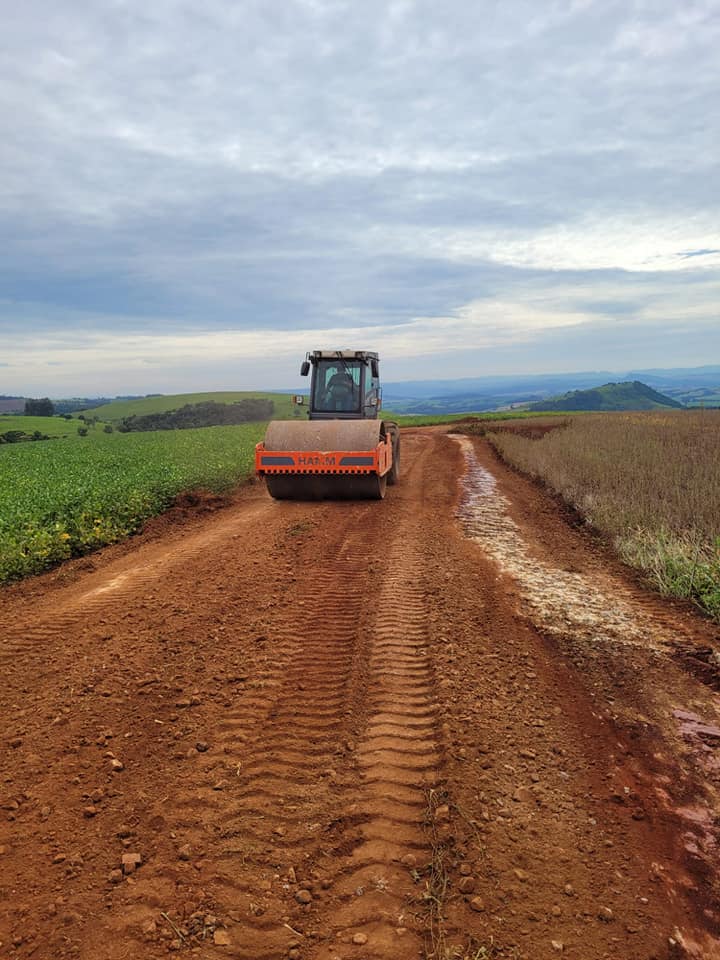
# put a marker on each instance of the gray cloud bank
(192, 196)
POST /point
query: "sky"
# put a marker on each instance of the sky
(193, 195)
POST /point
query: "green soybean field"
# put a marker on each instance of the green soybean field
(61, 499)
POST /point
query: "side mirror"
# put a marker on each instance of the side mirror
(374, 369)
(305, 368)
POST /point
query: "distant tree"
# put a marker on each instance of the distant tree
(108, 428)
(39, 408)
(12, 436)
(82, 431)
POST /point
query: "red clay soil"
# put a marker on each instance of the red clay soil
(445, 725)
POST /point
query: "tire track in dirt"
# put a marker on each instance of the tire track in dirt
(399, 759)
(319, 783)
(268, 811)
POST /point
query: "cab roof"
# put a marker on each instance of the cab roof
(315, 355)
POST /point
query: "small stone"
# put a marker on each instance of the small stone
(569, 890)
(359, 939)
(303, 896)
(59, 858)
(465, 869)
(522, 795)
(115, 876)
(606, 914)
(184, 852)
(116, 765)
(477, 904)
(149, 928)
(124, 830)
(220, 785)
(97, 796)
(195, 701)
(89, 811)
(558, 945)
(182, 704)
(16, 742)
(130, 862)
(441, 813)
(202, 746)
(409, 860)
(556, 911)
(466, 885)
(221, 938)
(294, 954)
(522, 875)
(528, 754)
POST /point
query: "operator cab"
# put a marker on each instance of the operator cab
(345, 384)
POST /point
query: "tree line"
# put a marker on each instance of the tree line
(206, 414)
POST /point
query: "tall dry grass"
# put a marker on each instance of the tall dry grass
(650, 480)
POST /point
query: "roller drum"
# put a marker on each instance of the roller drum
(299, 486)
(323, 435)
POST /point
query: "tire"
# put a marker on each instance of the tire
(393, 474)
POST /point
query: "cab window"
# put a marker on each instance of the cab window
(337, 386)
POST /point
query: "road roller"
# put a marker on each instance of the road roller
(344, 450)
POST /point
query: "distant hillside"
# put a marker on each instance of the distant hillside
(691, 386)
(120, 409)
(630, 395)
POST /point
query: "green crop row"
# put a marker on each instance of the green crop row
(59, 500)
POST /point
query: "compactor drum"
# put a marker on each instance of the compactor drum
(344, 450)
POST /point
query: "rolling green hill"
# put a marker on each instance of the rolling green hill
(631, 395)
(119, 409)
(50, 426)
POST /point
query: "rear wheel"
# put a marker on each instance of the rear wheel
(393, 474)
(378, 487)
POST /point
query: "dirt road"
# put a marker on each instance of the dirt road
(443, 725)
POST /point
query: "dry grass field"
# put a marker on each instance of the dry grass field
(651, 481)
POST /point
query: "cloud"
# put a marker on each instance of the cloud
(316, 170)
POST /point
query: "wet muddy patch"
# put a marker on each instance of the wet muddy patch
(557, 600)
